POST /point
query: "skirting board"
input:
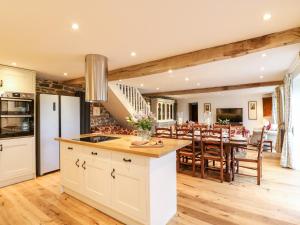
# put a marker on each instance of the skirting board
(116, 215)
(16, 180)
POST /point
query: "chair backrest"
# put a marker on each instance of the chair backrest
(163, 132)
(186, 134)
(212, 139)
(237, 130)
(261, 143)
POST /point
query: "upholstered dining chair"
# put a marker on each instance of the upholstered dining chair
(189, 154)
(255, 159)
(212, 150)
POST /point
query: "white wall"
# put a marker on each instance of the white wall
(226, 101)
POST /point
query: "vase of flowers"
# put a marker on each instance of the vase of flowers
(143, 123)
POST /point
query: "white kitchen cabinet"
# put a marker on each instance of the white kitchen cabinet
(129, 174)
(71, 171)
(14, 79)
(17, 160)
(131, 188)
(97, 178)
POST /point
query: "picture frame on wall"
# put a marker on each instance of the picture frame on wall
(252, 110)
(207, 107)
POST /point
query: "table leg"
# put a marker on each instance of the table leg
(228, 173)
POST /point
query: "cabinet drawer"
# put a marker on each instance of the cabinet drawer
(95, 152)
(67, 149)
(128, 164)
(128, 159)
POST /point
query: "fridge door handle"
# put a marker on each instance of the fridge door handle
(54, 106)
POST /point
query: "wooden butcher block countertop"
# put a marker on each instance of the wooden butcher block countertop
(123, 143)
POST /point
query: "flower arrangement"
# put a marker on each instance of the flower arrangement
(141, 121)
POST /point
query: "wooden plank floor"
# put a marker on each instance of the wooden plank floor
(200, 201)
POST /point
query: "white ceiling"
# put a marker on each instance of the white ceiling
(37, 34)
(240, 70)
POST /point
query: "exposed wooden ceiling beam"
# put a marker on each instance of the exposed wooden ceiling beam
(215, 89)
(232, 50)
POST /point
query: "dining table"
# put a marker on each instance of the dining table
(231, 146)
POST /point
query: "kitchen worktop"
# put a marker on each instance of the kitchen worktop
(122, 144)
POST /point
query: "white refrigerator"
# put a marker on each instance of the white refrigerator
(58, 116)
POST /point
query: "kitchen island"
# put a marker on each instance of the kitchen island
(132, 184)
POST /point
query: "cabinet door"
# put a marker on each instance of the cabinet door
(17, 80)
(97, 179)
(129, 188)
(17, 158)
(71, 170)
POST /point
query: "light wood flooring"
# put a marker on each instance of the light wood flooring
(200, 201)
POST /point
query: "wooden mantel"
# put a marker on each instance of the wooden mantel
(232, 50)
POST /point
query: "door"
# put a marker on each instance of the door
(97, 179)
(49, 129)
(17, 80)
(17, 158)
(70, 116)
(71, 170)
(193, 112)
(129, 185)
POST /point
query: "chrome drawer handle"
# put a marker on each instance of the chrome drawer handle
(126, 160)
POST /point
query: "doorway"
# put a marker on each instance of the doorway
(193, 111)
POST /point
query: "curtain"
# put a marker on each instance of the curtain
(279, 119)
(289, 155)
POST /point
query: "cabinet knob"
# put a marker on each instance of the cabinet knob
(1, 83)
(94, 153)
(126, 160)
(1, 147)
(70, 148)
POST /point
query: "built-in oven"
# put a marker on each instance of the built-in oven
(16, 114)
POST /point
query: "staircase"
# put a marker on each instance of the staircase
(124, 101)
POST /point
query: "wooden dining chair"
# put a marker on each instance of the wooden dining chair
(257, 160)
(187, 155)
(212, 150)
(163, 132)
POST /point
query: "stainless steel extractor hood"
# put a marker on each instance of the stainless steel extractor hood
(96, 86)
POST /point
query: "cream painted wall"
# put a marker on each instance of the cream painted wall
(226, 101)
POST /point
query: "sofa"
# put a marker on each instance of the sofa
(271, 136)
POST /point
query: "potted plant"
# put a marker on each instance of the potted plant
(143, 123)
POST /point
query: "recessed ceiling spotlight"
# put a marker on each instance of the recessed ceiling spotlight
(170, 71)
(13, 63)
(262, 68)
(267, 16)
(65, 74)
(133, 54)
(157, 88)
(142, 85)
(198, 84)
(261, 76)
(75, 26)
(186, 79)
(263, 55)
